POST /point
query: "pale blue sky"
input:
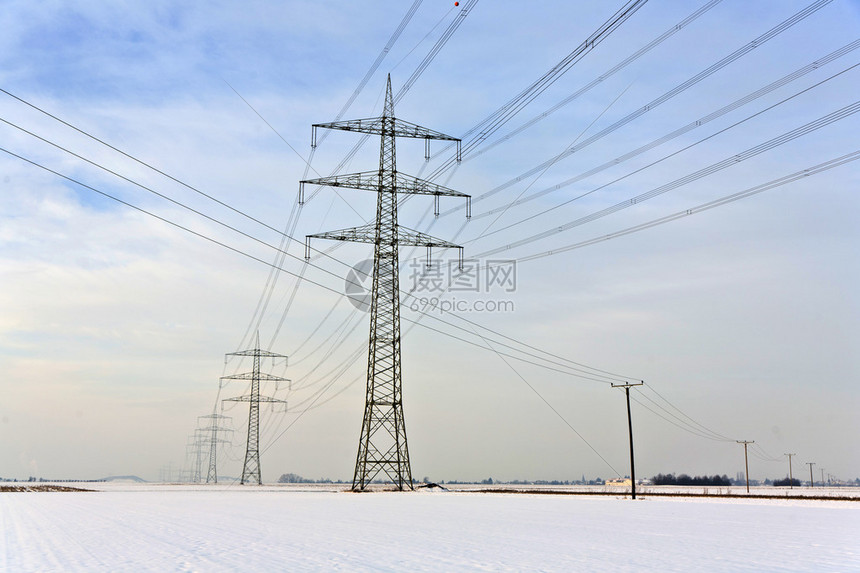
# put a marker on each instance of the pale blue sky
(113, 325)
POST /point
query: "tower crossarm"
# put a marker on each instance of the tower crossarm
(369, 181)
(215, 429)
(412, 238)
(249, 398)
(366, 180)
(214, 418)
(406, 237)
(367, 234)
(373, 126)
(415, 186)
(257, 352)
(363, 234)
(218, 440)
(259, 375)
(389, 126)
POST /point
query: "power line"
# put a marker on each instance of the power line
(806, 173)
(688, 427)
(282, 253)
(441, 42)
(416, 74)
(359, 88)
(566, 369)
(421, 41)
(276, 132)
(705, 428)
(375, 65)
(138, 161)
(601, 78)
(681, 181)
(764, 455)
(545, 401)
(502, 115)
(467, 8)
(139, 185)
(299, 277)
(814, 170)
(737, 54)
(689, 127)
(542, 173)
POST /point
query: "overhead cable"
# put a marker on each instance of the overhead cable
(740, 52)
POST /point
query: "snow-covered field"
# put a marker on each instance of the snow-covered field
(147, 527)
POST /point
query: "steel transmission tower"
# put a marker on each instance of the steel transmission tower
(194, 450)
(382, 445)
(251, 469)
(212, 442)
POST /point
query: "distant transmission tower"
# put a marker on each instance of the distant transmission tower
(251, 469)
(382, 446)
(194, 450)
(212, 441)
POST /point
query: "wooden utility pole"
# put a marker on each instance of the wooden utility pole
(790, 477)
(811, 481)
(746, 460)
(630, 429)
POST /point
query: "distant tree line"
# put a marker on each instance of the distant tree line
(35, 479)
(659, 479)
(684, 479)
(493, 481)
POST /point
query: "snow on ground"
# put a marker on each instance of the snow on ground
(148, 527)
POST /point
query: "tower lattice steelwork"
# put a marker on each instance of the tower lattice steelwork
(382, 446)
(251, 469)
(194, 451)
(212, 440)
